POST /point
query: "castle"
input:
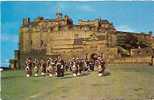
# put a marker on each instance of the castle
(44, 38)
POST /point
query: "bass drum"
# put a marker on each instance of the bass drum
(94, 56)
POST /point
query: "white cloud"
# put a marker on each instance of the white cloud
(125, 28)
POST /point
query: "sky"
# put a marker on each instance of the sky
(126, 16)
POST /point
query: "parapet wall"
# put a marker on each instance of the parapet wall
(141, 52)
(133, 60)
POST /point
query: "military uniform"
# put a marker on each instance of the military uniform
(43, 67)
(28, 68)
(60, 68)
(101, 66)
(36, 67)
(74, 68)
(50, 68)
(91, 65)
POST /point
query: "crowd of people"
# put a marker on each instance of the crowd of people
(58, 66)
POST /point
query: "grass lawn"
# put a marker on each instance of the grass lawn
(126, 82)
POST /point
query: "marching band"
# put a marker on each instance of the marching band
(57, 66)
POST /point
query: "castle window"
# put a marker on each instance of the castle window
(138, 52)
(76, 35)
(147, 52)
(31, 42)
(77, 40)
(41, 44)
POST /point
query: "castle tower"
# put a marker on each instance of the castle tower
(58, 12)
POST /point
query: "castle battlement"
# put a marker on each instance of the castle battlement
(65, 23)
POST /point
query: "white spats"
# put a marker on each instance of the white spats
(35, 74)
(27, 75)
(50, 75)
(74, 75)
(78, 74)
(42, 73)
(100, 74)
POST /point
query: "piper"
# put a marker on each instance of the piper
(43, 67)
(36, 65)
(50, 68)
(28, 68)
(74, 68)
